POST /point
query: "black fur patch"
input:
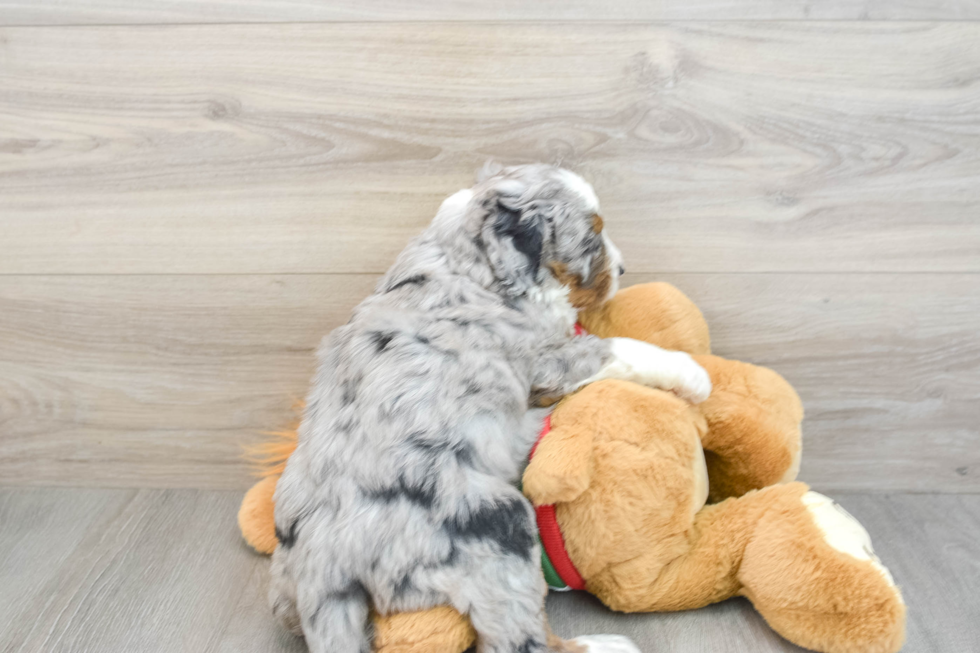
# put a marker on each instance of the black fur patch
(403, 586)
(287, 539)
(382, 339)
(453, 556)
(416, 280)
(460, 450)
(464, 454)
(421, 494)
(527, 235)
(389, 408)
(506, 523)
(530, 645)
(422, 340)
(349, 393)
(458, 321)
(348, 424)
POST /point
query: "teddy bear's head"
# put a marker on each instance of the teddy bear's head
(623, 468)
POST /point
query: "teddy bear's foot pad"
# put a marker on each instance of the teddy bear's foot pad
(606, 644)
(843, 532)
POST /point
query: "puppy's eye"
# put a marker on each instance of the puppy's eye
(622, 270)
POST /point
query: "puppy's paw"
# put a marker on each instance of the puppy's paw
(693, 381)
(606, 644)
(641, 362)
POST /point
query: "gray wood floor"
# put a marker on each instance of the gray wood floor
(107, 571)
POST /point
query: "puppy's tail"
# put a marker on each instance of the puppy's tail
(256, 517)
(269, 458)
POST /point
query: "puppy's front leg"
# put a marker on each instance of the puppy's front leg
(558, 370)
(641, 362)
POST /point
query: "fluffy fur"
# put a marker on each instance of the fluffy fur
(401, 493)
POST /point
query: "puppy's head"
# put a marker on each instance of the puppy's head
(540, 222)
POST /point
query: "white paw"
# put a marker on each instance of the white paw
(693, 381)
(641, 362)
(606, 644)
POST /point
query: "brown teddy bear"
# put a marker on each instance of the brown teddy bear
(652, 504)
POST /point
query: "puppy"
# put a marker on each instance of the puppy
(401, 492)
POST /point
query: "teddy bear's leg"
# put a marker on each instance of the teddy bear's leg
(811, 572)
(753, 439)
(438, 630)
(693, 568)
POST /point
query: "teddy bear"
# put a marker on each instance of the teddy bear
(652, 504)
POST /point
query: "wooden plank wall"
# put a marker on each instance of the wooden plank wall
(122, 12)
(185, 209)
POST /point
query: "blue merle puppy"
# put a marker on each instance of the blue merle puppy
(401, 492)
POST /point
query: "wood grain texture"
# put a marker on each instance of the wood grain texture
(151, 571)
(788, 146)
(155, 381)
(115, 571)
(158, 380)
(65, 12)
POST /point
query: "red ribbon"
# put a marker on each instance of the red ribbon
(550, 531)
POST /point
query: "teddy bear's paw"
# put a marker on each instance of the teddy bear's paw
(843, 532)
(606, 644)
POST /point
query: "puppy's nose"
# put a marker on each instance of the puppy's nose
(622, 270)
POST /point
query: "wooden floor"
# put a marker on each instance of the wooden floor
(118, 571)
(193, 192)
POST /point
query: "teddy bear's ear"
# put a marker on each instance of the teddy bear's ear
(561, 468)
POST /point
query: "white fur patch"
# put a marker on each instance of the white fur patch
(649, 365)
(700, 470)
(843, 532)
(453, 205)
(614, 259)
(606, 644)
(581, 187)
(552, 299)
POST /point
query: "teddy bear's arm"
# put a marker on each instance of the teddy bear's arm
(754, 418)
(561, 466)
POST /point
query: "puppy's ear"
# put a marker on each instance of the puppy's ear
(514, 241)
(490, 169)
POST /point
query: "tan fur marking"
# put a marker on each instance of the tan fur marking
(559, 645)
(584, 296)
(597, 223)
